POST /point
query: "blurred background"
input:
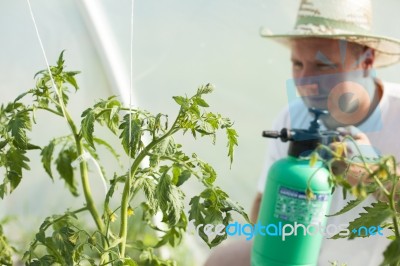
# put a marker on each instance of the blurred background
(178, 46)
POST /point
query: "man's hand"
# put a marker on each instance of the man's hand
(356, 172)
(353, 150)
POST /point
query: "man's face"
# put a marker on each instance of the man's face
(322, 70)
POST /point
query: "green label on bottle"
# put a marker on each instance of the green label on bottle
(293, 206)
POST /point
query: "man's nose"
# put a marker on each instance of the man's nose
(307, 83)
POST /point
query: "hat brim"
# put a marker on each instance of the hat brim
(387, 50)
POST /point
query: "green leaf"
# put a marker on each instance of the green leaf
(350, 205)
(113, 119)
(230, 205)
(21, 96)
(131, 135)
(232, 141)
(15, 162)
(3, 144)
(375, 215)
(107, 113)
(69, 77)
(87, 125)
(149, 188)
(64, 168)
(62, 241)
(165, 147)
(208, 172)
(60, 61)
(195, 212)
(201, 102)
(5, 250)
(3, 190)
(392, 253)
(182, 101)
(31, 146)
(18, 125)
(219, 238)
(130, 262)
(206, 89)
(170, 199)
(183, 177)
(64, 96)
(47, 157)
(213, 215)
(46, 260)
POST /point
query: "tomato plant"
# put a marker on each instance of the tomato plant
(158, 169)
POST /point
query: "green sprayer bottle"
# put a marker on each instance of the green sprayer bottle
(291, 220)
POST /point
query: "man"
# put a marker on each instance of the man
(333, 55)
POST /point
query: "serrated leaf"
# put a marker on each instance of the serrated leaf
(375, 215)
(47, 157)
(350, 205)
(64, 168)
(206, 89)
(87, 125)
(60, 61)
(71, 80)
(64, 96)
(195, 212)
(113, 119)
(392, 253)
(235, 207)
(149, 188)
(131, 135)
(18, 125)
(183, 177)
(208, 172)
(170, 199)
(21, 96)
(195, 111)
(182, 101)
(3, 144)
(165, 147)
(31, 146)
(219, 238)
(61, 240)
(130, 262)
(232, 141)
(5, 250)
(201, 102)
(46, 260)
(213, 215)
(3, 190)
(15, 162)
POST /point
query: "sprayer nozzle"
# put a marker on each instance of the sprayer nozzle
(271, 134)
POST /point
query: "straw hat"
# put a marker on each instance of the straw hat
(348, 20)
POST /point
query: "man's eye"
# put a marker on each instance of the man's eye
(297, 65)
(326, 66)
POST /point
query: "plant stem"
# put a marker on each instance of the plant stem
(82, 167)
(51, 111)
(392, 199)
(87, 191)
(126, 192)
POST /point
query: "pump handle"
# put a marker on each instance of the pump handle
(318, 112)
(314, 125)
